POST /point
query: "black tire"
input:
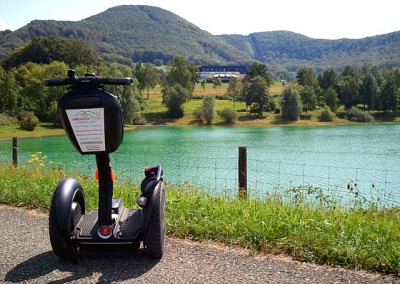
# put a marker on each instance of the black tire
(61, 242)
(155, 237)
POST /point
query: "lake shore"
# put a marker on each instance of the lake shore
(48, 129)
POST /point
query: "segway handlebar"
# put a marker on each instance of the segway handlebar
(89, 80)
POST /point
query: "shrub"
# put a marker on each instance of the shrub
(28, 121)
(198, 115)
(356, 114)
(228, 115)
(7, 120)
(326, 115)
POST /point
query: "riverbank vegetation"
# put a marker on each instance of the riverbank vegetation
(170, 95)
(358, 237)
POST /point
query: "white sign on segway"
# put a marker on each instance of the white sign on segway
(88, 127)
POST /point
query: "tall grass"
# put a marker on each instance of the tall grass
(361, 238)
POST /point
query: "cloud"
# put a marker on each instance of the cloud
(4, 26)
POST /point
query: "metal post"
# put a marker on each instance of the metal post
(15, 151)
(105, 189)
(242, 168)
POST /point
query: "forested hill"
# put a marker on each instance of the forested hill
(140, 33)
(150, 34)
(292, 51)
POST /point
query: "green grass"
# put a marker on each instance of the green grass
(353, 238)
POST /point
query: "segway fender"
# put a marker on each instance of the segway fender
(148, 209)
(67, 191)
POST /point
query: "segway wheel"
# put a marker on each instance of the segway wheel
(155, 237)
(61, 243)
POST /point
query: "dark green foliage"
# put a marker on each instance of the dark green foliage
(308, 98)
(44, 50)
(291, 51)
(368, 91)
(256, 94)
(307, 77)
(173, 98)
(349, 87)
(331, 99)
(28, 121)
(389, 96)
(355, 114)
(257, 69)
(291, 104)
(228, 115)
(326, 115)
(178, 86)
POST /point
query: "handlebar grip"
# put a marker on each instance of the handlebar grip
(119, 81)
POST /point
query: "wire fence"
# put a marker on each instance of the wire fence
(218, 175)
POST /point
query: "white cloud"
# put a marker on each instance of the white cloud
(4, 26)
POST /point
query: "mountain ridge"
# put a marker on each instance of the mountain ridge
(132, 33)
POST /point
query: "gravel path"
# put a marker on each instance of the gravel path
(26, 257)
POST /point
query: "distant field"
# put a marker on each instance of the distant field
(209, 90)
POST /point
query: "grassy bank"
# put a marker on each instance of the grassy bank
(357, 238)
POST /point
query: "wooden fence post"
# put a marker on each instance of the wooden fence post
(15, 151)
(242, 171)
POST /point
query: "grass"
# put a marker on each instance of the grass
(353, 238)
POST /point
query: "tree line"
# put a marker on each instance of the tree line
(22, 74)
(370, 88)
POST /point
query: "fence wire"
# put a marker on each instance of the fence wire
(219, 175)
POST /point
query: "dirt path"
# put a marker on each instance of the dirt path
(27, 257)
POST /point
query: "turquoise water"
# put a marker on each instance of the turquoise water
(364, 158)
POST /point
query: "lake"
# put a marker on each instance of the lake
(362, 160)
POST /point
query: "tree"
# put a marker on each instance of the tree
(234, 89)
(291, 104)
(173, 98)
(350, 91)
(368, 91)
(34, 96)
(389, 96)
(256, 94)
(349, 83)
(217, 83)
(208, 109)
(9, 89)
(308, 98)
(177, 86)
(147, 77)
(328, 79)
(306, 77)
(150, 77)
(45, 50)
(180, 72)
(258, 69)
(129, 100)
(331, 99)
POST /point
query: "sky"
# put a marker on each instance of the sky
(321, 19)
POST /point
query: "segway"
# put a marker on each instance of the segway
(92, 119)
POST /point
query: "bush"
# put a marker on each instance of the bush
(326, 115)
(28, 121)
(358, 115)
(228, 115)
(198, 115)
(7, 120)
